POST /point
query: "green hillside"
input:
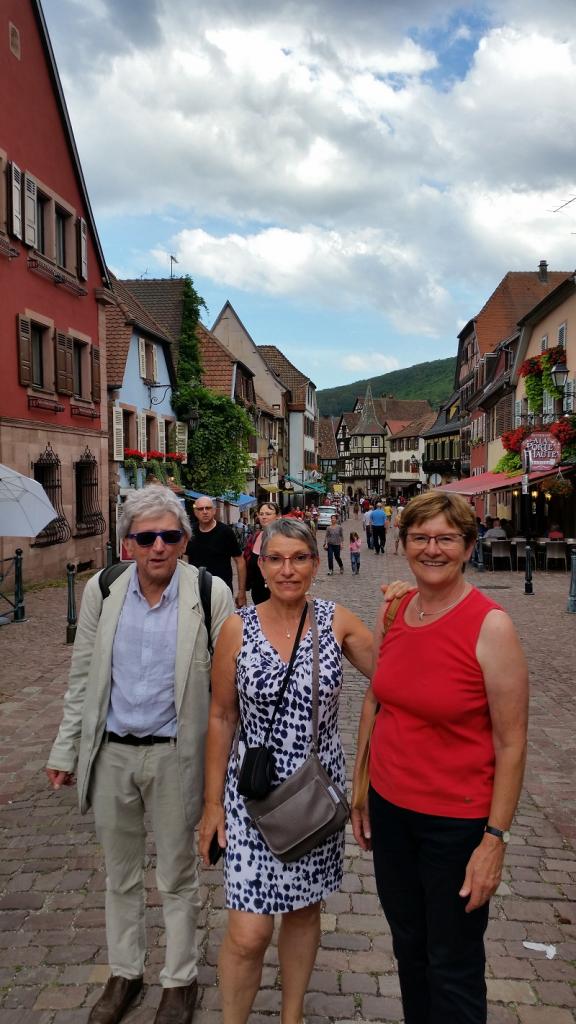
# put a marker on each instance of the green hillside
(434, 381)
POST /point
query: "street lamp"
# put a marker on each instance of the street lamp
(559, 374)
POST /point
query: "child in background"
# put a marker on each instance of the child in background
(355, 544)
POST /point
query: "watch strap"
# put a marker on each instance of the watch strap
(501, 834)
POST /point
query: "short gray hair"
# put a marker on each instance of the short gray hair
(148, 502)
(291, 528)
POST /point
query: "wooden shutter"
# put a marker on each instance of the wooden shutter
(161, 432)
(154, 363)
(142, 357)
(82, 247)
(562, 335)
(95, 367)
(182, 439)
(30, 211)
(569, 398)
(141, 422)
(64, 345)
(117, 434)
(25, 350)
(16, 201)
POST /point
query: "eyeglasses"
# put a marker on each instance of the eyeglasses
(146, 538)
(203, 508)
(446, 541)
(298, 561)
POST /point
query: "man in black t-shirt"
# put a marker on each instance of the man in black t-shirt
(213, 545)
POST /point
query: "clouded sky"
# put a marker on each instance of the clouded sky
(354, 177)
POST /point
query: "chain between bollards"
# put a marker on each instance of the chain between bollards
(528, 588)
(72, 620)
(571, 606)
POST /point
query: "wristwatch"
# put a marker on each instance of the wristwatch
(493, 831)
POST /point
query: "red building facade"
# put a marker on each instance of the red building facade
(53, 291)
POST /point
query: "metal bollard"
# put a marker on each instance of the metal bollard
(19, 611)
(109, 554)
(528, 588)
(72, 620)
(571, 606)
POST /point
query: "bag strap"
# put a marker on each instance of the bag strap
(315, 675)
(285, 681)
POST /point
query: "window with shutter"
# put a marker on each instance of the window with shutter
(518, 413)
(142, 358)
(82, 246)
(95, 373)
(30, 211)
(548, 407)
(562, 334)
(64, 363)
(117, 434)
(544, 343)
(182, 439)
(16, 201)
(25, 350)
(142, 431)
(161, 432)
(569, 397)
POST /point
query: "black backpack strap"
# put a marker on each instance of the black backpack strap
(205, 588)
(109, 575)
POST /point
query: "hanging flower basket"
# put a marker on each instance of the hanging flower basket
(560, 487)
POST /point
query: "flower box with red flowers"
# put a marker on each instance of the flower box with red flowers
(134, 453)
(157, 456)
(512, 439)
(174, 457)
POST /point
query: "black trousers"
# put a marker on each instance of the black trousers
(379, 535)
(420, 862)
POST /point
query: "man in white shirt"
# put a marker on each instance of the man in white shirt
(135, 717)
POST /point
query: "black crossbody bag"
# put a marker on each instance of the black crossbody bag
(257, 771)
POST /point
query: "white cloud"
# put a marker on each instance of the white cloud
(370, 363)
(315, 135)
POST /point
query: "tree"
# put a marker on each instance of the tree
(218, 457)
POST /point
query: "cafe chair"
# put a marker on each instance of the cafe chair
(501, 549)
(521, 555)
(556, 552)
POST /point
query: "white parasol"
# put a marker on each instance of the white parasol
(24, 506)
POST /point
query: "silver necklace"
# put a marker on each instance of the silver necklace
(422, 614)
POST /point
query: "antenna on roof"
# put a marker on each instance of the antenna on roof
(144, 273)
(565, 203)
(173, 260)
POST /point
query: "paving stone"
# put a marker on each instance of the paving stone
(383, 1008)
(544, 1015)
(65, 997)
(500, 991)
(354, 981)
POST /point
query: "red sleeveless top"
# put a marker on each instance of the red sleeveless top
(432, 748)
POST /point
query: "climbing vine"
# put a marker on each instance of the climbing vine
(218, 458)
(189, 369)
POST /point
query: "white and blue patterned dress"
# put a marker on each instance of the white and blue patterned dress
(254, 879)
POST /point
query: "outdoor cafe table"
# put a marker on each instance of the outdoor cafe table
(538, 545)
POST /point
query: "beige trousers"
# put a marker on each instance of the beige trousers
(127, 783)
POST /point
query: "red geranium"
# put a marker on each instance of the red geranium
(512, 439)
(155, 455)
(563, 431)
(174, 457)
(133, 453)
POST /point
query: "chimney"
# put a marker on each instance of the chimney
(543, 271)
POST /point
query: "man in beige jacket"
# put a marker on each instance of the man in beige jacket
(135, 717)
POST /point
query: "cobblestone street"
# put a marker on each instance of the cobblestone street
(52, 883)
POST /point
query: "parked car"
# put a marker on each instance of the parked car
(325, 513)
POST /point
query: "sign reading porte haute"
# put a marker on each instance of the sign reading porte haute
(543, 451)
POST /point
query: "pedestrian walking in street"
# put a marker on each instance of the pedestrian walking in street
(446, 762)
(135, 717)
(378, 523)
(333, 543)
(367, 524)
(259, 592)
(355, 545)
(215, 546)
(250, 662)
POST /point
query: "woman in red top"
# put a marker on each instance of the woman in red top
(446, 765)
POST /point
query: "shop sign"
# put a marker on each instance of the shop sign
(540, 452)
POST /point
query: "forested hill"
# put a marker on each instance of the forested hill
(434, 381)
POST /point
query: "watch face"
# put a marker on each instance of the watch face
(506, 837)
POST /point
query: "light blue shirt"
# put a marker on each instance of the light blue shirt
(143, 663)
(378, 517)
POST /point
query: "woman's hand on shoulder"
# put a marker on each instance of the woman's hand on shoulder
(398, 588)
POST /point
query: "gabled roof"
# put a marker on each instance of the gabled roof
(327, 447)
(395, 426)
(517, 293)
(162, 297)
(121, 319)
(442, 424)
(417, 427)
(349, 419)
(368, 422)
(288, 374)
(59, 93)
(554, 298)
(218, 363)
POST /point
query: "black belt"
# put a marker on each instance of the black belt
(138, 741)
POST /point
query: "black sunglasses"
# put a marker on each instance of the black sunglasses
(146, 538)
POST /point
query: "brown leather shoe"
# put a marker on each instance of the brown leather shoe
(116, 998)
(177, 1005)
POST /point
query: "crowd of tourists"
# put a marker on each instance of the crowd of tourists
(190, 708)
